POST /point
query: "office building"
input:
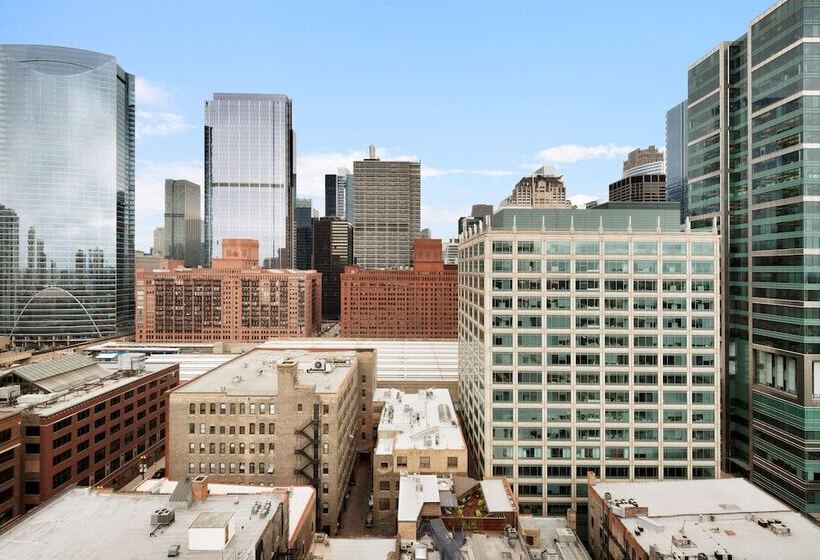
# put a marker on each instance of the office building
(543, 189)
(417, 433)
(234, 300)
(478, 213)
(11, 463)
(589, 341)
(643, 179)
(158, 249)
(67, 195)
(751, 167)
(332, 252)
(644, 160)
(277, 417)
(450, 251)
(304, 233)
(250, 182)
(183, 222)
(86, 424)
(197, 521)
(338, 194)
(677, 157)
(412, 303)
(386, 211)
(699, 519)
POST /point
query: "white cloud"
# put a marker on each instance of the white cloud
(150, 123)
(571, 153)
(580, 200)
(151, 94)
(442, 221)
(429, 172)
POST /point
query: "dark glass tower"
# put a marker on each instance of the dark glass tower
(250, 184)
(676, 158)
(66, 195)
(332, 251)
(183, 222)
(304, 233)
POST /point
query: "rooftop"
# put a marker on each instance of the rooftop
(423, 420)
(415, 490)
(555, 538)
(83, 525)
(360, 548)
(726, 516)
(254, 373)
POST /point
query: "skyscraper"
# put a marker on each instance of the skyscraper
(332, 252)
(752, 166)
(250, 184)
(643, 179)
(543, 189)
(183, 222)
(677, 157)
(158, 248)
(304, 233)
(67, 193)
(338, 195)
(386, 211)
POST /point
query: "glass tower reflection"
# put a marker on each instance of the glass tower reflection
(66, 195)
(250, 184)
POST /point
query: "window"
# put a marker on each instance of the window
(502, 265)
(504, 247)
(616, 248)
(674, 267)
(645, 248)
(616, 267)
(452, 462)
(424, 462)
(645, 267)
(674, 249)
(587, 247)
(401, 461)
(529, 247)
(529, 415)
(558, 247)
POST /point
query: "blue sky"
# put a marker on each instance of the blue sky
(481, 92)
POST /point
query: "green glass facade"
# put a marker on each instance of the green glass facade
(754, 164)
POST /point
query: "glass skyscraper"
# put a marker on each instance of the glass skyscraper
(753, 163)
(250, 183)
(183, 222)
(66, 195)
(676, 158)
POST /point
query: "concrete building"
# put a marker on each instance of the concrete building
(158, 250)
(280, 417)
(183, 222)
(386, 211)
(643, 179)
(450, 251)
(543, 189)
(11, 463)
(677, 157)
(332, 252)
(86, 424)
(417, 303)
(589, 341)
(751, 167)
(417, 433)
(305, 214)
(699, 519)
(234, 300)
(195, 522)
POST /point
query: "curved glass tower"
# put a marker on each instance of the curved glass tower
(66, 195)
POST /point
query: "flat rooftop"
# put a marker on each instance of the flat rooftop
(254, 372)
(361, 548)
(422, 420)
(556, 538)
(84, 525)
(415, 490)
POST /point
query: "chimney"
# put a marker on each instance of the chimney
(592, 480)
(199, 489)
(372, 151)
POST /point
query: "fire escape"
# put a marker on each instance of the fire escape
(310, 452)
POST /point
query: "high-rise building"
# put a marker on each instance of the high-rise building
(234, 300)
(410, 303)
(752, 167)
(386, 211)
(450, 251)
(250, 183)
(643, 179)
(332, 252)
(543, 189)
(304, 233)
(338, 194)
(478, 213)
(67, 179)
(183, 222)
(643, 160)
(677, 157)
(589, 341)
(158, 249)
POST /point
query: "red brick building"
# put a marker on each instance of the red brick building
(11, 460)
(235, 300)
(418, 303)
(84, 424)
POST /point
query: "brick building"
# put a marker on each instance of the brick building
(277, 417)
(85, 424)
(11, 453)
(234, 300)
(417, 303)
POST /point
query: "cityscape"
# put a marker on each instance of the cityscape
(604, 352)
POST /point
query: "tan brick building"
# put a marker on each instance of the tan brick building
(11, 457)
(277, 417)
(235, 300)
(417, 433)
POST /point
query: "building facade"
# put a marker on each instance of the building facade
(339, 194)
(643, 187)
(234, 300)
(677, 157)
(304, 233)
(183, 222)
(250, 182)
(643, 160)
(158, 249)
(67, 195)
(543, 189)
(278, 418)
(417, 303)
(332, 252)
(11, 463)
(589, 341)
(386, 211)
(751, 166)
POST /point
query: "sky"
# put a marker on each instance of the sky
(482, 93)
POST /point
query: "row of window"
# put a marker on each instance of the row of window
(555, 266)
(609, 322)
(232, 408)
(231, 468)
(588, 396)
(535, 340)
(501, 377)
(590, 247)
(502, 284)
(565, 359)
(508, 452)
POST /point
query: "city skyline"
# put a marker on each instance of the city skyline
(465, 160)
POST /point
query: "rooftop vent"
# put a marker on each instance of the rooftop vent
(162, 516)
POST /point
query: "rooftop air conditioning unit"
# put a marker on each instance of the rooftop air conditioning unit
(162, 516)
